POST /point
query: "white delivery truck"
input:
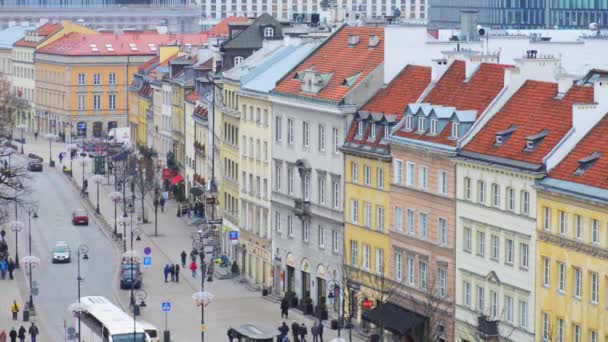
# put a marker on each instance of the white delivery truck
(120, 135)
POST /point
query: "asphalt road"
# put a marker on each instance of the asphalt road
(56, 199)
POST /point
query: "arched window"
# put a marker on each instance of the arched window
(238, 60)
(268, 32)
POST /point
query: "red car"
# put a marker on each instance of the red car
(79, 216)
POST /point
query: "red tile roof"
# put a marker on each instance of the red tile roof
(453, 90)
(45, 30)
(532, 109)
(192, 97)
(152, 61)
(594, 142)
(79, 44)
(336, 57)
(222, 29)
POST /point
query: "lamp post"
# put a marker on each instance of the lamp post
(30, 263)
(124, 222)
(334, 295)
(22, 127)
(82, 253)
(50, 136)
(16, 226)
(97, 179)
(70, 148)
(156, 191)
(83, 162)
(116, 197)
(31, 212)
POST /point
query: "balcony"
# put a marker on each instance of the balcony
(199, 148)
(302, 208)
(235, 113)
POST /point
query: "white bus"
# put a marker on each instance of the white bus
(105, 322)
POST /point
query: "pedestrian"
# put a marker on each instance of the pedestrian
(162, 204)
(3, 336)
(3, 268)
(15, 310)
(320, 331)
(284, 330)
(314, 331)
(36, 135)
(33, 331)
(284, 308)
(13, 335)
(177, 273)
(61, 157)
(183, 255)
(193, 268)
(11, 268)
(303, 332)
(194, 254)
(85, 185)
(295, 331)
(285, 338)
(230, 335)
(21, 334)
(172, 272)
(166, 271)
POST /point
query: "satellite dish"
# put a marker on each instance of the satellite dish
(593, 26)
(480, 30)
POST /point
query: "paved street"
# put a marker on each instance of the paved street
(233, 301)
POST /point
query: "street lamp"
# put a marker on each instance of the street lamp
(31, 262)
(51, 137)
(16, 226)
(97, 179)
(31, 212)
(71, 147)
(22, 127)
(124, 222)
(83, 162)
(202, 299)
(115, 196)
(82, 253)
(156, 203)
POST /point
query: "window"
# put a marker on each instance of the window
(481, 243)
(578, 282)
(322, 190)
(366, 256)
(443, 282)
(290, 180)
(546, 272)
(278, 129)
(495, 195)
(421, 124)
(290, 131)
(562, 222)
(306, 187)
(322, 138)
(509, 308)
(354, 169)
(360, 125)
(112, 101)
(579, 227)
(433, 126)
(577, 333)
(408, 122)
(268, 32)
(494, 304)
(443, 183)
(289, 225)
(380, 260)
(380, 218)
(96, 79)
(481, 299)
(238, 60)
(410, 270)
(510, 199)
(336, 194)
(595, 231)
(547, 218)
(321, 236)
(398, 219)
(81, 102)
(494, 241)
(467, 293)
(423, 275)
(305, 134)
(277, 174)
(277, 221)
(468, 243)
(481, 195)
(367, 174)
(411, 222)
(305, 231)
(368, 215)
(265, 117)
(411, 174)
(467, 188)
(81, 79)
(523, 314)
(398, 267)
(424, 229)
(112, 79)
(336, 136)
(380, 177)
(546, 327)
(354, 209)
(593, 336)
(525, 202)
(387, 131)
(398, 171)
(372, 132)
(595, 287)
(524, 255)
(561, 267)
(424, 178)
(334, 241)
(455, 130)
(560, 330)
(354, 253)
(443, 232)
(96, 102)
(265, 151)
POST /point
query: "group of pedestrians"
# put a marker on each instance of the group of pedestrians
(7, 266)
(20, 334)
(171, 272)
(300, 331)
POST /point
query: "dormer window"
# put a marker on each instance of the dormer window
(433, 126)
(373, 132)
(455, 129)
(586, 163)
(360, 128)
(387, 131)
(421, 124)
(498, 139)
(408, 122)
(238, 60)
(268, 32)
(534, 140)
(503, 136)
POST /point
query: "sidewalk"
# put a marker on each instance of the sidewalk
(233, 302)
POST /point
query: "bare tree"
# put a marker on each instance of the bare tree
(145, 180)
(487, 328)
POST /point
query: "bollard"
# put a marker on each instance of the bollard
(26, 315)
(136, 310)
(166, 336)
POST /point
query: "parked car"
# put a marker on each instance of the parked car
(151, 331)
(34, 165)
(130, 276)
(61, 252)
(80, 216)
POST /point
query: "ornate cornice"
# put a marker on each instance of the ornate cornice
(573, 245)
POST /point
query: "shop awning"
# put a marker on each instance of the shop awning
(177, 179)
(393, 318)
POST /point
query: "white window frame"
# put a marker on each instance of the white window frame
(290, 132)
(580, 227)
(372, 132)
(97, 79)
(434, 126)
(443, 282)
(354, 211)
(321, 236)
(510, 199)
(467, 188)
(525, 202)
(481, 243)
(595, 287)
(354, 253)
(112, 79)
(336, 194)
(424, 178)
(278, 128)
(546, 272)
(563, 222)
(524, 255)
(411, 174)
(321, 190)
(509, 308)
(411, 272)
(466, 293)
(408, 122)
(368, 214)
(398, 266)
(82, 100)
(322, 138)
(547, 218)
(411, 222)
(289, 226)
(380, 177)
(238, 60)
(423, 274)
(336, 135)
(380, 260)
(595, 231)
(546, 327)
(481, 192)
(366, 256)
(578, 282)
(495, 195)
(424, 225)
(305, 134)
(442, 187)
(421, 124)
(268, 32)
(305, 230)
(443, 231)
(468, 240)
(398, 218)
(494, 247)
(277, 221)
(82, 79)
(523, 314)
(354, 172)
(481, 298)
(97, 102)
(380, 218)
(493, 304)
(398, 167)
(112, 101)
(562, 274)
(367, 174)
(455, 130)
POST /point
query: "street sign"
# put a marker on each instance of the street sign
(147, 261)
(215, 221)
(210, 200)
(233, 236)
(166, 306)
(147, 250)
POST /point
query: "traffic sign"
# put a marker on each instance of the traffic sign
(233, 235)
(215, 221)
(166, 306)
(147, 250)
(147, 261)
(210, 200)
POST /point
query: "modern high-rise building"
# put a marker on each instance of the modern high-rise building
(522, 14)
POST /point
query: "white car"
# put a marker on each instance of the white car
(61, 252)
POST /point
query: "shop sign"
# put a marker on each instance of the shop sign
(368, 304)
(321, 272)
(305, 266)
(291, 260)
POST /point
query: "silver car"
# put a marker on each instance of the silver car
(61, 252)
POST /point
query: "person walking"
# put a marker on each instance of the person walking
(314, 331)
(283, 330)
(162, 204)
(11, 268)
(183, 256)
(303, 332)
(21, 334)
(3, 268)
(177, 273)
(13, 335)
(33, 331)
(193, 268)
(166, 271)
(61, 157)
(320, 331)
(284, 308)
(230, 335)
(172, 272)
(3, 336)
(295, 331)
(15, 310)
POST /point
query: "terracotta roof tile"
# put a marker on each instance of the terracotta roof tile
(152, 61)
(532, 109)
(337, 58)
(192, 97)
(45, 30)
(597, 173)
(222, 29)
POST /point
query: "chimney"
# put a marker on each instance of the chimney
(468, 25)
(373, 41)
(474, 61)
(353, 40)
(537, 67)
(438, 68)
(600, 91)
(564, 83)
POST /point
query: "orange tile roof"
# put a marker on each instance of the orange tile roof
(336, 57)
(152, 61)
(192, 97)
(79, 44)
(222, 29)
(43, 31)
(532, 109)
(453, 90)
(594, 142)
